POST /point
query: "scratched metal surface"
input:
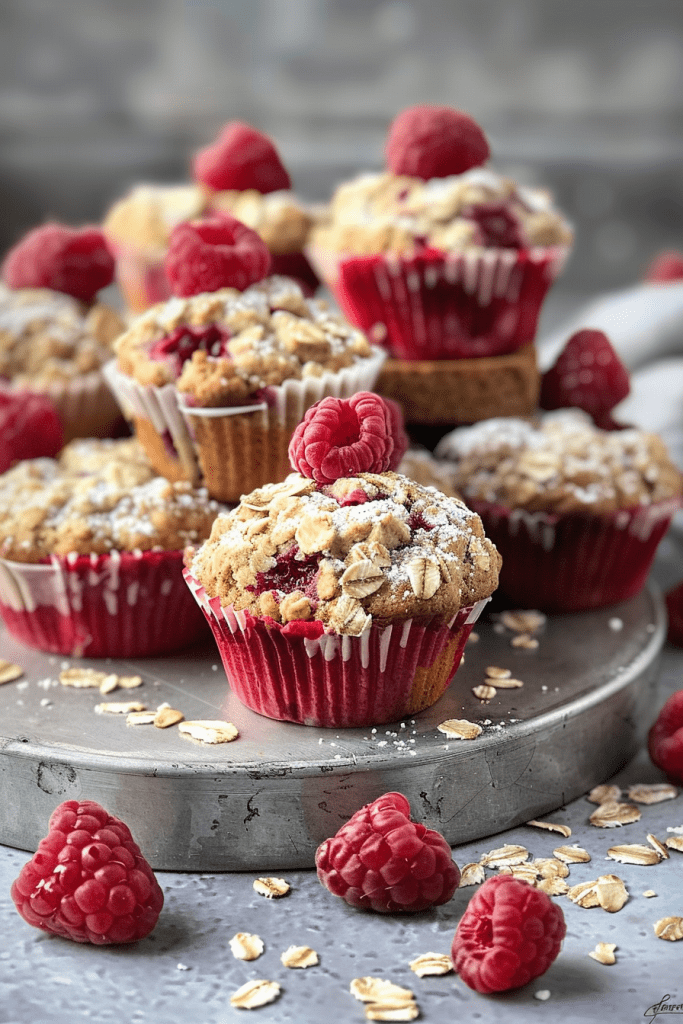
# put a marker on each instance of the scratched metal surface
(267, 800)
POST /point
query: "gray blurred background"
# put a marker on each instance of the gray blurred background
(585, 96)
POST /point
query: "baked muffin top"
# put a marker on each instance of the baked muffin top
(145, 217)
(376, 546)
(98, 497)
(282, 220)
(385, 212)
(224, 347)
(560, 462)
(48, 336)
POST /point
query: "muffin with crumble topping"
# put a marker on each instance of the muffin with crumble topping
(91, 548)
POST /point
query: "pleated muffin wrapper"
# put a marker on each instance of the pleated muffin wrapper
(84, 403)
(573, 562)
(121, 604)
(443, 305)
(301, 673)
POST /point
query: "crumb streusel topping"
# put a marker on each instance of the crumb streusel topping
(99, 496)
(384, 212)
(281, 219)
(373, 547)
(146, 216)
(420, 465)
(560, 462)
(230, 344)
(47, 336)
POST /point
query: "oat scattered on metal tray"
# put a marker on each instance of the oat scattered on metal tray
(428, 964)
(9, 672)
(551, 826)
(604, 953)
(523, 620)
(393, 1010)
(471, 874)
(255, 993)
(109, 683)
(245, 946)
(669, 928)
(376, 990)
(652, 793)
(659, 846)
(550, 867)
(509, 684)
(299, 956)
(572, 854)
(141, 718)
(604, 794)
(166, 717)
(129, 682)
(553, 886)
(460, 729)
(607, 891)
(675, 843)
(484, 692)
(526, 872)
(613, 814)
(543, 994)
(494, 672)
(119, 707)
(271, 888)
(634, 853)
(525, 641)
(649, 893)
(504, 856)
(82, 678)
(209, 731)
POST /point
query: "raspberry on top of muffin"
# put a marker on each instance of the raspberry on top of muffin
(560, 462)
(223, 348)
(99, 496)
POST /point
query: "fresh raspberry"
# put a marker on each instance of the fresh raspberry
(588, 375)
(398, 432)
(241, 158)
(509, 934)
(345, 436)
(498, 226)
(88, 881)
(30, 427)
(665, 267)
(433, 142)
(217, 252)
(381, 860)
(71, 260)
(665, 739)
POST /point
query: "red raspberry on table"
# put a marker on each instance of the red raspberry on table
(509, 934)
(88, 881)
(341, 437)
(588, 375)
(381, 860)
(665, 267)
(217, 252)
(30, 427)
(76, 261)
(433, 142)
(665, 739)
(241, 158)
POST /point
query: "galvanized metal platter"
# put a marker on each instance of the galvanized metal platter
(265, 801)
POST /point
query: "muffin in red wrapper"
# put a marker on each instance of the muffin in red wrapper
(343, 603)
(576, 512)
(91, 553)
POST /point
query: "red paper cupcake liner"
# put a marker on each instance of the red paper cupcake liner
(436, 305)
(574, 562)
(115, 605)
(298, 673)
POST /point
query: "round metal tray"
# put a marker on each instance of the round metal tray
(265, 801)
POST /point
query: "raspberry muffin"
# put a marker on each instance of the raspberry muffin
(91, 552)
(446, 263)
(216, 382)
(344, 595)
(577, 512)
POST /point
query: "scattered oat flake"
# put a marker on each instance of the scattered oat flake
(493, 672)
(299, 956)
(526, 872)
(209, 731)
(669, 928)
(585, 894)
(604, 794)
(473, 638)
(9, 672)
(119, 707)
(553, 886)
(271, 888)
(255, 993)
(550, 867)
(658, 845)
(504, 856)
(543, 994)
(572, 854)
(166, 717)
(406, 1009)
(523, 621)
(607, 891)
(245, 946)
(613, 814)
(82, 678)
(523, 640)
(471, 874)
(141, 718)
(460, 729)
(377, 990)
(604, 953)
(129, 682)
(551, 826)
(675, 843)
(484, 692)
(431, 963)
(109, 684)
(634, 853)
(509, 684)
(649, 893)
(653, 793)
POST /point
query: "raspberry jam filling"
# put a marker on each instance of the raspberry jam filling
(181, 344)
(498, 225)
(290, 574)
